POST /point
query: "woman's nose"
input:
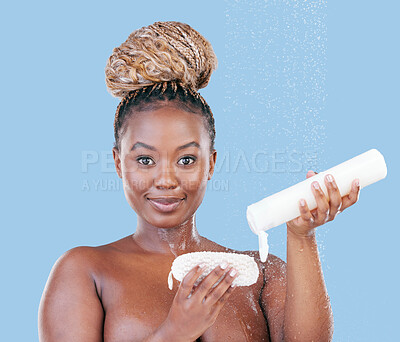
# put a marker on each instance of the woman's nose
(166, 178)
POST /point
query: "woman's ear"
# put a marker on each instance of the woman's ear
(213, 160)
(117, 162)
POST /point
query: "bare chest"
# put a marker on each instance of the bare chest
(137, 302)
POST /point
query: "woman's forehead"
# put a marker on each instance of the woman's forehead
(166, 126)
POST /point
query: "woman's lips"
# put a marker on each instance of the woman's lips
(165, 206)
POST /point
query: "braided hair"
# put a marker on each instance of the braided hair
(154, 97)
(160, 64)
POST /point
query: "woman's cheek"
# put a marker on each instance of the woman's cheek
(138, 181)
(133, 177)
(129, 165)
(194, 180)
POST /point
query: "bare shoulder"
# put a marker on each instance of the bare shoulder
(273, 266)
(79, 259)
(80, 256)
(70, 308)
(89, 260)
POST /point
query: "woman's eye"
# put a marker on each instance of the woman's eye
(186, 160)
(146, 160)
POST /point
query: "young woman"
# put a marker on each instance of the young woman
(164, 153)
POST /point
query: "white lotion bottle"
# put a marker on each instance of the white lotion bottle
(369, 167)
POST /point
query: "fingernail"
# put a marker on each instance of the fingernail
(224, 265)
(315, 185)
(233, 272)
(329, 178)
(302, 202)
(357, 183)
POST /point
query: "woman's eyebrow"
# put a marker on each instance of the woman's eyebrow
(141, 144)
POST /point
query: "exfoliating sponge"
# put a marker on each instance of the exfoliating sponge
(247, 268)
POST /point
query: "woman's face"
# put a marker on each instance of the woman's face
(165, 163)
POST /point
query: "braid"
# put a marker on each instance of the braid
(150, 97)
(121, 109)
(165, 61)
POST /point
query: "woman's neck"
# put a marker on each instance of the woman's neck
(176, 240)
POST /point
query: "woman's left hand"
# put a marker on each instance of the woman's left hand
(326, 210)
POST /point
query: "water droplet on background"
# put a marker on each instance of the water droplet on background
(274, 64)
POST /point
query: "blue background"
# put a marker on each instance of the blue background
(299, 85)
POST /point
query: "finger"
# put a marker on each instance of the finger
(217, 293)
(353, 196)
(206, 284)
(322, 213)
(305, 213)
(226, 295)
(311, 173)
(219, 304)
(335, 199)
(186, 286)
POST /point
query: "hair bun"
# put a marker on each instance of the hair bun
(164, 51)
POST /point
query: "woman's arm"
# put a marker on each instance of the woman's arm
(295, 297)
(308, 314)
(70, 309)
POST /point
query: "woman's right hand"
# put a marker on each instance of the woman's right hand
(190, 317)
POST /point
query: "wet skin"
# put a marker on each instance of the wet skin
(132, 288)
(119, 292)
(120, 289)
